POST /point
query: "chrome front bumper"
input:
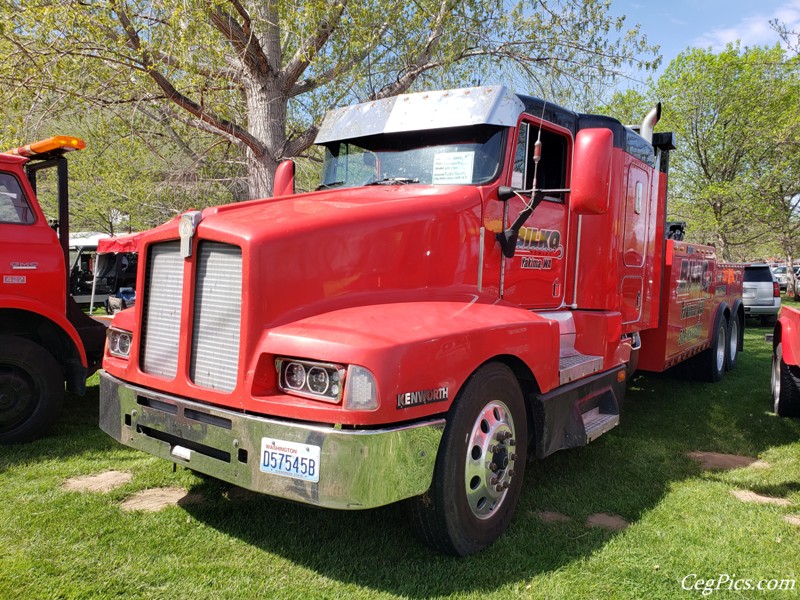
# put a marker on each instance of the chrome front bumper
(358, 468)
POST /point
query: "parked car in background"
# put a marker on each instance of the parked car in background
(781, 273)
(761, 293)
(781, 276)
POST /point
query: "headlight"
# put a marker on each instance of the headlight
(328, 382)
(320, 381)
(119, 342)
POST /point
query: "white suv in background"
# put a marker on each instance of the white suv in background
(761, 294)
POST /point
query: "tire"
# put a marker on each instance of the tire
(470, 505)
(733, 343)
(785, 383)
(31, 390)
(710, 364)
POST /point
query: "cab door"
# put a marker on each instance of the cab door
(536, 276)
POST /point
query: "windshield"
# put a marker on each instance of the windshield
(462, 155)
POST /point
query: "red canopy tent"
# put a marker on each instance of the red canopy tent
(120, 243)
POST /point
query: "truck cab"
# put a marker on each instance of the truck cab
(45, 339)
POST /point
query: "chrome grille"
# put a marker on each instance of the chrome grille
(217, 316)
(162, 310)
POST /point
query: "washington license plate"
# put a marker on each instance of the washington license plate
(290, 459)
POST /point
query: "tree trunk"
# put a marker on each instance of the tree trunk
(260, 175)
(724, 248)
(266, 116)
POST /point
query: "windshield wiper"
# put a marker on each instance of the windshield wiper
(393, 181)
(327, 186)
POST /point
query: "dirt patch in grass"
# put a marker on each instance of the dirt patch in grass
(101, 482)
(793, 519)
(606, 521)
(153, 500)
(748, 496)
(718, 461)
(547, 516)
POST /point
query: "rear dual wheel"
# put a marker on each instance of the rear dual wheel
(479, 468)
(711, 363)
(733, 343)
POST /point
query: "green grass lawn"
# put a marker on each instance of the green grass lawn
(683, 521)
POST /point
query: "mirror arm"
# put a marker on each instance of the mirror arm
(508, 238)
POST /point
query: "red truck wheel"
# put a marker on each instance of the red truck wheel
(733, 343)
(480, 465)
(31, 390)
(785, 386)
(709, 365)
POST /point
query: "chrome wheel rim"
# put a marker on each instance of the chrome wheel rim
(721, 348)
(490, 461)
(776, 378)
(733, 343)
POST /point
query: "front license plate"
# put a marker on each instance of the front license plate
(290, 459)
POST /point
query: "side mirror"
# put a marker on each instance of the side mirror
(284, 179)
(591, 171)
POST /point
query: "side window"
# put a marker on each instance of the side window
(14, 208)
(551, 174)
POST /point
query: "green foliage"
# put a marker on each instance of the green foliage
(132, 176)
(260, 74)
(735, 176)
(732, 111)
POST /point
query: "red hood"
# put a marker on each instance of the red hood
(311, 253)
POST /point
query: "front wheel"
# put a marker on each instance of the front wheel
(785, 383)
(31, 390)
(479, 468)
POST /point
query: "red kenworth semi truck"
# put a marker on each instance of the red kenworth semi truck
(472, 284)
(45, 339)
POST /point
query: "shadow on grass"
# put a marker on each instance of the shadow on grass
(625, 473)
(75, 432)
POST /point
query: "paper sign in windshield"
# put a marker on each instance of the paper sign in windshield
(453, 167)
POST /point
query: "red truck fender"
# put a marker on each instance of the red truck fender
(30, 305)
(785, 376)
(787, 334)
(416, 346)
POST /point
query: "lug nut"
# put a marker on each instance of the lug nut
(505, 485)
(513, 456)
(493, 481)
(493, 467)
(511, 472)
(512, 442)
(499, 488)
